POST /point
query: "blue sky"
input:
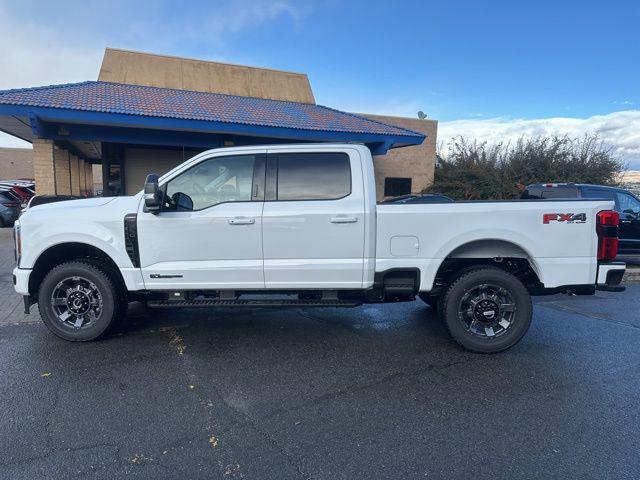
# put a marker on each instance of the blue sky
(487, 69)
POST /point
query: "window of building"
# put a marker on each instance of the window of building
(313, 176)
(210, 182)
(394, 187)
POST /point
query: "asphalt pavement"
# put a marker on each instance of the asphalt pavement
(379, 391)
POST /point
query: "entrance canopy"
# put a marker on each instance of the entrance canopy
(83, 115)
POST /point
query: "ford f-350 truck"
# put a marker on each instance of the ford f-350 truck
(298, 225)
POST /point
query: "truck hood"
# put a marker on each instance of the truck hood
(89, 210)
(82, 203)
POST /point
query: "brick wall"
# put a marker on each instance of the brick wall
(75, 175)
(16, 163)
(43, 167)
(61, 163)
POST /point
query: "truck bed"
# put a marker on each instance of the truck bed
(561, 251)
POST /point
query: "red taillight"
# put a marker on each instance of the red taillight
(10, 204)
(607, 230)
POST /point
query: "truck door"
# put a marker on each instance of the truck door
(208, 233)
(629, 232)
(313, 220)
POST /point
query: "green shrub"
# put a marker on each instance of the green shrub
(479, 171)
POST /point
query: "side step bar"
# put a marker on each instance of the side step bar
(251, 303)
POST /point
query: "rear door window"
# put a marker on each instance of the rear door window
(313, 176)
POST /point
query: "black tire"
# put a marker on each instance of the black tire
(430, 300)
(486, 310)
(85, 276)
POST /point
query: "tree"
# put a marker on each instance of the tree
(478, 171)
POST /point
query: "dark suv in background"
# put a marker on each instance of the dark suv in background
(627, 204)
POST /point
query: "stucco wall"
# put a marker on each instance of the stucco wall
(16, 163)
(139, 162)
(417, 163)
(122, 66)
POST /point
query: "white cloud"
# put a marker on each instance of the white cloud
(31, 53)
(59, 42)
(10, 141)
(620, 130)
(63, 42)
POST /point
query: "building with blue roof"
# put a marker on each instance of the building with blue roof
(148, 113)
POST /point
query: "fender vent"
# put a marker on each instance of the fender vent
(131, 238)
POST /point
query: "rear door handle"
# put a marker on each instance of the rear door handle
(344, 219)
(241, 221)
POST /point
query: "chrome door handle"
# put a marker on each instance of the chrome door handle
(344, 219)
(241, 221)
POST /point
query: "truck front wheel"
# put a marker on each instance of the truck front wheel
(487, 310)
(78, 301)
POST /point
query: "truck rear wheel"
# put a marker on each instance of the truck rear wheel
(78, 301)
(486, 310)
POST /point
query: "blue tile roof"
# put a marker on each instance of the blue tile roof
(116, 98)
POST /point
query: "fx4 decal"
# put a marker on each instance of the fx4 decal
(564, 217)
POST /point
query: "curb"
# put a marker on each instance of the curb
(632, 276)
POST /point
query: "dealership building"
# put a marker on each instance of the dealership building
(148, 113)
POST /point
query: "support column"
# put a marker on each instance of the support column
(43, 166)
(89, 176)
(75, 175)
(83, 177)
(63, 175)
(106, 169)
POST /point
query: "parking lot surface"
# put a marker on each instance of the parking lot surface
(379, 391)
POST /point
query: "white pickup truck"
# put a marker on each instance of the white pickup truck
(298, 225)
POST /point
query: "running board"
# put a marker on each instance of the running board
(250, 303)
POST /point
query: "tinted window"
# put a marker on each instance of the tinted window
(532, 193)
(313, 176)
(396, 186)
(560, 192)
(210, 182)
(627, 202)
(591, 192)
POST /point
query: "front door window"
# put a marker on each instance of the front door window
(211, 182)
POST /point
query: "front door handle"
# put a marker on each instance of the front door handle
(241, 221)
(344, 219)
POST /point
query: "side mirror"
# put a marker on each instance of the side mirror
(152, 193)
(182, 201)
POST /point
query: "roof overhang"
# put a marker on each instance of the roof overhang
(81, 125)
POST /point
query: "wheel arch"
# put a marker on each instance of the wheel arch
(68, 251)
(504, 254)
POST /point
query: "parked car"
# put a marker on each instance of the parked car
(626, 204)
(21, 189)
(9, 208)
(298, 225)
(420, 198)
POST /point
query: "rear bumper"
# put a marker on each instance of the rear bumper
(610, 276)
(21, 280)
